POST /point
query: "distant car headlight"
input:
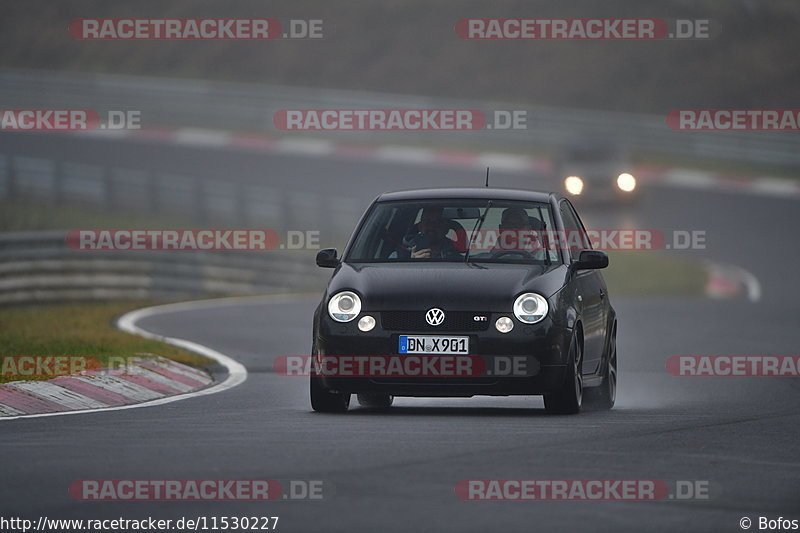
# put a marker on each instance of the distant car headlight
(626, 182)
(574, 185)
(530, 307)
(344, 306)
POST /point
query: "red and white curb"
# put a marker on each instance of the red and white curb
(148, 377)
(503, 162)
(153, 381)
(729, 281)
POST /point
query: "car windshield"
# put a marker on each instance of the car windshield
(479, 230)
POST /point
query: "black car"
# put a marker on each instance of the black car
(495, 277)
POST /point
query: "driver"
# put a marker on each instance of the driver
(431, 241)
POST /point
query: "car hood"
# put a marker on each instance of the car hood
(455, 286)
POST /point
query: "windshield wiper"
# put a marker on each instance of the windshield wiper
(475, 229)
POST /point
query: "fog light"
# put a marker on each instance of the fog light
(366, 323)
(504, 324)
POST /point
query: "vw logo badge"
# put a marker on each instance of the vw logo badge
(434, 316)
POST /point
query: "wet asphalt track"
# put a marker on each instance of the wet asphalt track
(396, 471)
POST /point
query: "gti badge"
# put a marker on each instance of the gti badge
(434, 316)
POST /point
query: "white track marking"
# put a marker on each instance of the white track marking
(7, 410)
(405, 154)
(56, 394)
(158, 378)
(181, 370)
(738, 275)
(121, 386)
(505, 162)
(751, 282)
(202, 137)
(313, 147)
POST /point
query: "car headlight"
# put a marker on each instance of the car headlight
(530, 307)
(574, 185)
(344, 306)
(626, 182)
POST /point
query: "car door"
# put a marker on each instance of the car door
(591, 292)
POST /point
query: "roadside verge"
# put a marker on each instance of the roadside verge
(145, 380)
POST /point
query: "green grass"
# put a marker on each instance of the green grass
(79, 329)
(641, 273)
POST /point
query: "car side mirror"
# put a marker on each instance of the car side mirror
(327, 258)
(590, 260)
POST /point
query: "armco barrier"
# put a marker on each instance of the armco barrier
(250, 107)
(40, 267)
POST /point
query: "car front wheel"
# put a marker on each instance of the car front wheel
(602, 398)
(324, 401)
(567, 400)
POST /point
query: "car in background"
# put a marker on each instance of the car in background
(422, 276)
(597, 171)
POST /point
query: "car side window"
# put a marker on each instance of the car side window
(575, 238)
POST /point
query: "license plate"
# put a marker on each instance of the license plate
(433, 344)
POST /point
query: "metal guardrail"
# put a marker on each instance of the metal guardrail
(201, 200)
(40, 267)
(240, 106)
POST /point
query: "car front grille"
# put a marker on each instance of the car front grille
(415, 321)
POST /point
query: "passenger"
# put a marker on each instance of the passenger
(516, 232)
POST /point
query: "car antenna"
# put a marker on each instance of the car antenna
(487, 176)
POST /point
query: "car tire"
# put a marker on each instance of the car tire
(567, 400)
(602, 397)
(375, 400)
(325, 401)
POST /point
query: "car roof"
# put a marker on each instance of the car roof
(480, 193)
